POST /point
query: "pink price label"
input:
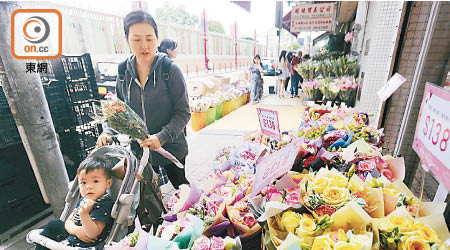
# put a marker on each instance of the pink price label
(431, 140)
(268, 121)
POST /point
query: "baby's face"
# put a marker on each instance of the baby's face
(93, 184)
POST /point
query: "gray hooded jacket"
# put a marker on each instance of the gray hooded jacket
(163, 107)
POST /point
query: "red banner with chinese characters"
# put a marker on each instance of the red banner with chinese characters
(431, 141)
(313, 17)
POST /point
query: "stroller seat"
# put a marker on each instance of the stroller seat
(123, 192)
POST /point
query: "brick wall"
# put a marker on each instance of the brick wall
(436, 65)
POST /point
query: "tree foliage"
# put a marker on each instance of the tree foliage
(175, 15)
(215, 26)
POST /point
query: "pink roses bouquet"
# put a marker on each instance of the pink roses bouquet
(242, 219)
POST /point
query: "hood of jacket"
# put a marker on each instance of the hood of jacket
(132, 68)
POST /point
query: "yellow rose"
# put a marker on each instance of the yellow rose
(339, 181)
(323, 243)
(289, 221)
(319, 184)
(354, 187)
(415, 242)
(335, 196)
(306, 227)
(363, 240)
(391, 192)
(384, 225)
(425, 232)
(347, 246)
(402, 223)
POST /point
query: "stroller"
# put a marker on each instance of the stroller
(124, 192)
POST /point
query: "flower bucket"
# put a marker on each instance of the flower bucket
(247, 97)
(198, 120)
(234, 104)
(243, 99)
(210, 115)
(228, 107)
(219, 111)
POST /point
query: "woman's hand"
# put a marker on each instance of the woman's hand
(152, 142)
(103, 139)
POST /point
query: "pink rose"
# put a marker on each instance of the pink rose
(217, 243)
(202, 243)
(366, 166)
(173, 200)
(249, 220)
(184, 222)
(292, 197)
(387, 173)
(213, 207)
(274, 195)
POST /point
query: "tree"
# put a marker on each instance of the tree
(215, 26)
(294, 46)
(175, 15)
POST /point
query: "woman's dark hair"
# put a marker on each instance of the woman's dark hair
(167, 44)
(91, 163)
(289, 56)
(138, 16)
(306, 57)
(257, 56)
(282, 55)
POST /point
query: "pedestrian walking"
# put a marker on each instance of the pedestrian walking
(256, 81)
(296, 77)
(154, 87)
(169, 47)
(289, 57)
(281, 78)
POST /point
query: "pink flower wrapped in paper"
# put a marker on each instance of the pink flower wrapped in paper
(211, 210)
(213, 181)
(229, 192)
(347, 87)
(216, 243)
(183, 198)
(246, 182)
(242, 219)
(311, 89)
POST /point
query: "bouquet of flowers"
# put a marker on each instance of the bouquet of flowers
(216, 243)
(311, 89)
(307, 70)
(199, 105)
(242, 219)
(329, 89)
(341, 240)
(183, 198)
(347, 87)
(120, 117)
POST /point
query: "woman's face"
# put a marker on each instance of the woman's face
(142, 40)
(172, 53)
(257, 60)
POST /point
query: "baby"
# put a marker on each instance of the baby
(90, 222)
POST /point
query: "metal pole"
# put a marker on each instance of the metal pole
(28, 104)
(204, 36)
(254, 45)
(235, 44)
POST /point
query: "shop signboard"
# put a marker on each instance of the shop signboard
(313, 17)
(431, 140)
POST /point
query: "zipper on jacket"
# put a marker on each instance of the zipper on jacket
(142, 99)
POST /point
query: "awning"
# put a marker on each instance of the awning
(243, 4)
(286, 23)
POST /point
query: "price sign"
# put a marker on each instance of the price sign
(268, 121)
(431, 140)
(275, 165)
(391, 86)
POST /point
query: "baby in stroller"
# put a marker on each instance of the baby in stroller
(95, 216)
(90, 222)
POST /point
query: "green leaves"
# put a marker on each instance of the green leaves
(391, 240)
(315, 200)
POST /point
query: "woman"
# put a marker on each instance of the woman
(256, 80)
(289, 58)
(168, 47)
(283, 66)
(162, 105)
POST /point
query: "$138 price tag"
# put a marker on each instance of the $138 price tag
(431, 140)
(268, 121)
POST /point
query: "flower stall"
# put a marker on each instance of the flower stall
(339, 191)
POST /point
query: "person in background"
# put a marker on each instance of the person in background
(306, 58)
(296, 78)
(289, 57)
(281, 78)
(256, 80)
(168, 47)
